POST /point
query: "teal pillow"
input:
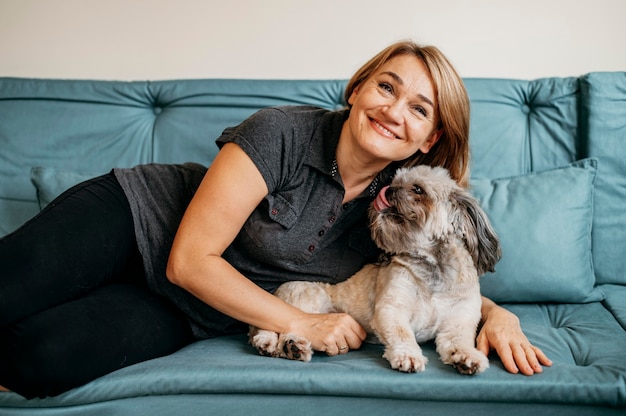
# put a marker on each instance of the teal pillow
(544, 222)
(51, 182)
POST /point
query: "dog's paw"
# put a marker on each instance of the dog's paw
(468, 362)
(407, 363)
(265, 342)
(294, 348)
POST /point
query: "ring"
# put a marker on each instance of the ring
(345, 347)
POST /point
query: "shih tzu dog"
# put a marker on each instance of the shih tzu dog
(437, 242)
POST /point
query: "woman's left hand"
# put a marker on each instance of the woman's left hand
(501, 331)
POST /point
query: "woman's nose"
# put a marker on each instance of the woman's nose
(393, 111)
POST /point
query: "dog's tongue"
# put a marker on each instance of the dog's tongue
(380, 203)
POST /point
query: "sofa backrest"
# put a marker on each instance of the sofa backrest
(517, 127)
(92, 126)
(530, 126)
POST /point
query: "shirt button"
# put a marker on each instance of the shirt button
(311, 248)
(321, 233)
(331, 218)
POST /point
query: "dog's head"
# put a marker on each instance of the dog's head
(423, 207)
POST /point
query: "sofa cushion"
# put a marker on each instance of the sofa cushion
(15, 212)
(51, 182)
(584, 342)
(544, 222)
(603, 104)
(521, 126)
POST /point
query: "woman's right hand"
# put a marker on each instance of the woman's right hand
(332, 333)
(213, 219)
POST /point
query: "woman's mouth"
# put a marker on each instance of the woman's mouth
(383, 130)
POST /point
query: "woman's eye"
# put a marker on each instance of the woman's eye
(420, 110)
(385, 87)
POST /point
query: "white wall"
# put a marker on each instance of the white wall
(171, 39)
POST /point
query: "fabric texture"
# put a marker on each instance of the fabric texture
(544, 221)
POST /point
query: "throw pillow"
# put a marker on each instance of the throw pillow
(544, 222)
(51, 182)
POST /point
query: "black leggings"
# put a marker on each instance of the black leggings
(73, 300)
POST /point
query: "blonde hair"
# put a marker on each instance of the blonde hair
(452, 149)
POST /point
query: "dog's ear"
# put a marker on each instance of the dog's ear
(481, 239)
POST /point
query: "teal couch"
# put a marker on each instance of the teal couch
(548, 165)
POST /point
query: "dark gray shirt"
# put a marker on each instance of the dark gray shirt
(300, 231)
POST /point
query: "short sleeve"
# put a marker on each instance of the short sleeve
(267, 137)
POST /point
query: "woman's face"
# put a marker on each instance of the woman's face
(394, 112)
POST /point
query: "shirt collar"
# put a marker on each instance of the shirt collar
(326, 138)
(323, 145)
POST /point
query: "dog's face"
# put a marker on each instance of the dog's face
(411, 209)
(422, 207)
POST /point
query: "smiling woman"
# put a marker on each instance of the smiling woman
(448, 101)
(393, 103)
(184, 252)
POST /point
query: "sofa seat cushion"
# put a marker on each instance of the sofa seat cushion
(584, 341)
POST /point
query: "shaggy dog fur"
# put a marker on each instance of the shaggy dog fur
(437, 241)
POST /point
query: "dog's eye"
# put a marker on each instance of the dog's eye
(418, 189)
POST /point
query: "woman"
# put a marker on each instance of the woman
(138, 263)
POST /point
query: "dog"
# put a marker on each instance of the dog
(437, 242)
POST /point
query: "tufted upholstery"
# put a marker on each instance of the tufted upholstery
(85, 128)
(517, 127)
(523, 126)
(90, 126)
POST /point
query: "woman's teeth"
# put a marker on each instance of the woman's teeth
(384, 129)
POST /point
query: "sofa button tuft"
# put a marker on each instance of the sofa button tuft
(157, 110)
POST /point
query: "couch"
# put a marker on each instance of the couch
(548, 166)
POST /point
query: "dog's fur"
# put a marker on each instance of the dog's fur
(437, 241)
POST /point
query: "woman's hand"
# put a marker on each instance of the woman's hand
(332, 333)
(213, 219)
(501, 331)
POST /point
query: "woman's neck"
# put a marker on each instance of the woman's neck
(356, 172)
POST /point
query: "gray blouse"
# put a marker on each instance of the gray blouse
(300, 231)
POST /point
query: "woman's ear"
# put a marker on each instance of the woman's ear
(352, 97)
(434, 138)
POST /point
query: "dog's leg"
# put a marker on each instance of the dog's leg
(307, 296)
(392, 324)
(272, 344)
(455, 343)
(401, 349)
(265, 342)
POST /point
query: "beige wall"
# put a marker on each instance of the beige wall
(170, 39)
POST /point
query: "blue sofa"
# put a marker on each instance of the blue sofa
(548, 165)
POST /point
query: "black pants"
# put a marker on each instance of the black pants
(73, 301)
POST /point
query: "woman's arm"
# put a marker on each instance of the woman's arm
(230, 191)
(501, 331)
